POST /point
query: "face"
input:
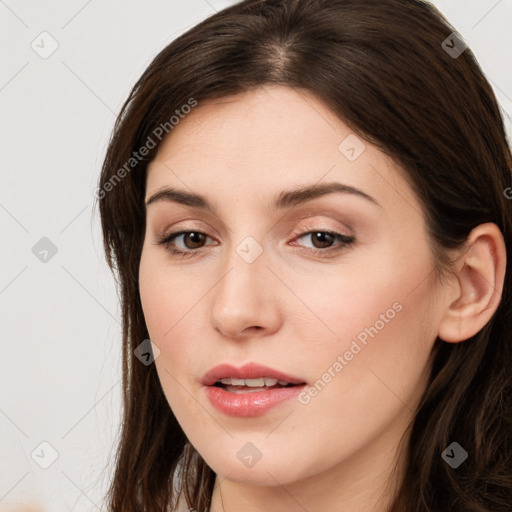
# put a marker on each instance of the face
(304, 260)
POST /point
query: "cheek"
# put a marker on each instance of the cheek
(377, 330)
(372, 296)
(174, 311)
(167, 296)
(168, 301)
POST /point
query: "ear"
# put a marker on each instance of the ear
(480, 276)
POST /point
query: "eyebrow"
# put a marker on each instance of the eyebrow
(282, 200)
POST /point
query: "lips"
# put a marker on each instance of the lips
(248, 371)
(250, 390)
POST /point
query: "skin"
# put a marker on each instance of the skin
(294, 310)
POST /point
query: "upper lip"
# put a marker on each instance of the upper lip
(247, 371)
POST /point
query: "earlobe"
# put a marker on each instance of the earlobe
(480, 279)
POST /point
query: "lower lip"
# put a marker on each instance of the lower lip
(251, 404)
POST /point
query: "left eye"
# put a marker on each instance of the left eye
(325, 239)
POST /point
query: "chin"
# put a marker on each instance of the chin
(240, 461)
(261, 474)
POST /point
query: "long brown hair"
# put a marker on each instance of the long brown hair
(382, 67)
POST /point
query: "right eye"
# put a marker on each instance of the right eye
(191, 241)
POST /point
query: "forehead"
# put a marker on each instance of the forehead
(265, 140)
(254, 122)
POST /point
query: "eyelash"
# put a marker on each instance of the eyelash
(345, 241)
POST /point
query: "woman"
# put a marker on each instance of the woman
(305, 203)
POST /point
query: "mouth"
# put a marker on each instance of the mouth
(250, 390)
(233, 385)
(250, 375)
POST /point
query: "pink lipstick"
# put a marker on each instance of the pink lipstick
(250, 390)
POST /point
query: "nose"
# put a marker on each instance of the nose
(245, 303)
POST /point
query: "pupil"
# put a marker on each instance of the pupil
(192, 235)
(321, 235)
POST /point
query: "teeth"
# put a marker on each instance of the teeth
(253, 383)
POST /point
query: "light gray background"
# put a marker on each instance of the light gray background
(60, 345)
